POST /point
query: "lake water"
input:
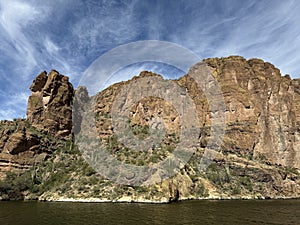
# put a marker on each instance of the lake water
(186, 212)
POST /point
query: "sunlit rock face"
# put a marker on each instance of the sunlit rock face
(261, 119)
(50, 104)
(262, 109)
(259, 155)
(26, 142)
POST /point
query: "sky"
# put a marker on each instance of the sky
(69, 35)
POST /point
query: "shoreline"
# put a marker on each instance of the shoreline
(147, 201)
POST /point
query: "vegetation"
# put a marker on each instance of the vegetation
(66, 173)
(14, 185)
(141, 157)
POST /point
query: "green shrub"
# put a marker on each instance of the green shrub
(15, 184)
(236, 190)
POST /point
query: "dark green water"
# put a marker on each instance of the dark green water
(187, 212)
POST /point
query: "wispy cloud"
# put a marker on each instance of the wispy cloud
(26, 49)
(263, 29)
(13, 106)
(15, 17)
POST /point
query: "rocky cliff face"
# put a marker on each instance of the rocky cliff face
(262, 130)
(24, 143)
(259, 156)
(262, 118)
(50, 104)
(17, 146)
(262, 110)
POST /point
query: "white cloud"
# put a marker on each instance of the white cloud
(13, 106)
(8, 114)
(15, 17)
(107, 26)
(261, 29)
(51, 47)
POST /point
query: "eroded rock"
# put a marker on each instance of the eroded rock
(50, 104)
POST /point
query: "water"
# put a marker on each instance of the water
(187, 212)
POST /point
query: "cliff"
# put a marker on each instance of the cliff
(50, 104)
(25, 143)
(262, 110)
(259, 156)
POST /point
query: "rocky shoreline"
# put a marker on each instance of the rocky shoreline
(165, 201)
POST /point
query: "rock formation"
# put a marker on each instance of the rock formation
(262, 110)
(259, 156)
(21, 147)
(23, 143)
(262, 128)
(262, 118)
(50, 104)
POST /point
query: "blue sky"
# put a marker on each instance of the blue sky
(68, 35)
